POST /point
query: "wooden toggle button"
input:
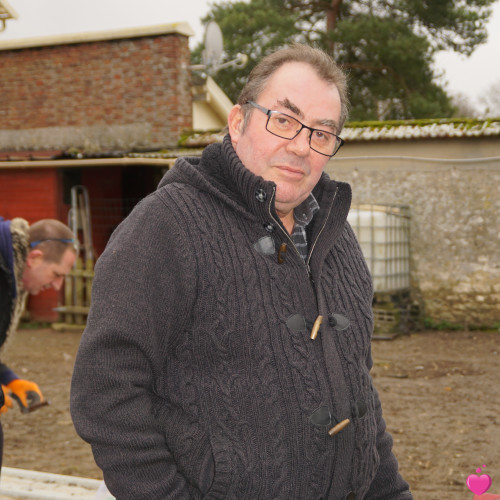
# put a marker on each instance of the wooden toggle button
(340, 426)
(282, 253)
(315, 328)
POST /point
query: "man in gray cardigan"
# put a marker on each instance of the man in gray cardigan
(227, 350)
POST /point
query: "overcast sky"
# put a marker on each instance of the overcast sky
(470, 76)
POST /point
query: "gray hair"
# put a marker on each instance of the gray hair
(326, 68)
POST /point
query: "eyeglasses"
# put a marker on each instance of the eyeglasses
(33, 244)
(285, 126)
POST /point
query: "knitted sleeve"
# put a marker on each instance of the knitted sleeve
(142, 280)
(388, 483)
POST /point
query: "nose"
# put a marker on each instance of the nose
(300, 144)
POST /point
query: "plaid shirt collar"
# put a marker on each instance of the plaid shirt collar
(303, 215)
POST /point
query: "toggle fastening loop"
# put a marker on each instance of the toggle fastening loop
(338, 321)
(265, 245)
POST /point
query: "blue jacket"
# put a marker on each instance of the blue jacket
(13, 252)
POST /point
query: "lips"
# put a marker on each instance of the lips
(295, 172)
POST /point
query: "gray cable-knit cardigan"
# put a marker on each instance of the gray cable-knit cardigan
(196, 376)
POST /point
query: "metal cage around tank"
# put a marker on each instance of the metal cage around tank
(383, 232)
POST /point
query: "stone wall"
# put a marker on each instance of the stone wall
(119, 92)
(455, 222)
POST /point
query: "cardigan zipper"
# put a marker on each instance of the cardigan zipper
(308, 260)
(285, 232)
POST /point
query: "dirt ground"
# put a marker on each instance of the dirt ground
(440, 393)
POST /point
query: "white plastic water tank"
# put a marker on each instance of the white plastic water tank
(383, 234)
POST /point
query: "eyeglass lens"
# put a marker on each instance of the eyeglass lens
(287, 127)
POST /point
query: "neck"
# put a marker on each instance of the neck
(288, 220)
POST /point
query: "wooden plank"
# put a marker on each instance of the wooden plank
(73, 309)
(81, 273)
(62, 327)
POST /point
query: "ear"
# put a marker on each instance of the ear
(235, 123)
(34, 256)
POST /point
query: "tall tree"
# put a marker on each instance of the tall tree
(386, 46)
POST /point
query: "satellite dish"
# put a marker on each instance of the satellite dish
(212, 55)
(213, 45)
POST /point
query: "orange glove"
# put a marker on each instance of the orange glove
(27, 394)
(8, 400)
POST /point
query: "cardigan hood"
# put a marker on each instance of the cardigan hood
(220, 173)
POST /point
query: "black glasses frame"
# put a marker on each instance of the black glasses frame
(270, 112)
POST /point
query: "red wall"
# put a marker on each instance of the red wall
(105, 194)
(31, 194)
(34, 195)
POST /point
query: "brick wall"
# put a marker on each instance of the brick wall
(100, 95)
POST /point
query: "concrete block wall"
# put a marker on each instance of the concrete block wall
(109, 94)
(454, 228)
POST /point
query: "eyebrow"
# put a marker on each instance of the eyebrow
(286, 103)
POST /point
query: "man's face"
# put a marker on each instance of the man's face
(297, 90)
(41, 275)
